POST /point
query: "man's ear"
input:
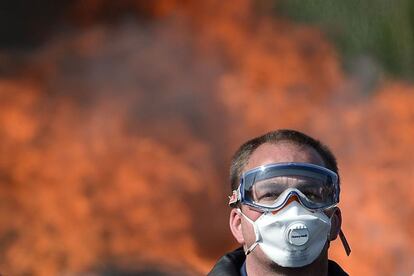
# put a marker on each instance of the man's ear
(336, 222)
(235, 225)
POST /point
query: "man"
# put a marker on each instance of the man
(285, 190)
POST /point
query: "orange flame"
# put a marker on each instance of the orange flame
(116, 139)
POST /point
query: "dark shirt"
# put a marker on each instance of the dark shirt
(233, 264)
(243, 271)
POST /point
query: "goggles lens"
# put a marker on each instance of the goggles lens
(270, 186)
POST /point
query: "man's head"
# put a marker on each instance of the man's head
(279, 147)
(242, 155)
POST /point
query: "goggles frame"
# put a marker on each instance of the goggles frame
(239, 194)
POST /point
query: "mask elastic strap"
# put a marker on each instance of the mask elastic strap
(345, 242)
(250, 249)
(253, 246)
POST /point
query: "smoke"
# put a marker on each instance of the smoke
(116, 138)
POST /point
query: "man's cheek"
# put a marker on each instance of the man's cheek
(248, 233)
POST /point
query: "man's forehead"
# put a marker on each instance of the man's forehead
(283, 152)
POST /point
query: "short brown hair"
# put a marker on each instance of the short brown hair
(242, 155)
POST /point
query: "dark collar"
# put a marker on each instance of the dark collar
(243, 271)
(229, 264)
(232, 264)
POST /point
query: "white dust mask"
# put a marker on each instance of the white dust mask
(293, 237)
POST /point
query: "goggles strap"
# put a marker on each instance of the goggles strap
(234, 198)
(345, 243)
(253, 246)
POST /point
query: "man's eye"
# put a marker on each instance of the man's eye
(312, 196)
(269, 195)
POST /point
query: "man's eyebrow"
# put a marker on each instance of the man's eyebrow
(285, 180)
(271, 182)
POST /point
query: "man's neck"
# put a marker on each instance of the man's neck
(319, 267)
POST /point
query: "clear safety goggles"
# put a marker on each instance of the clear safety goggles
(268, 188)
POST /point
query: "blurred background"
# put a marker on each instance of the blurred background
(118, 120)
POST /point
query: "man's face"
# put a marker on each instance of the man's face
(268, 154)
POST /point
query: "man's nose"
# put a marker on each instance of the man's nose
(290, 200)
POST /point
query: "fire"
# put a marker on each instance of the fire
(116, 139)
